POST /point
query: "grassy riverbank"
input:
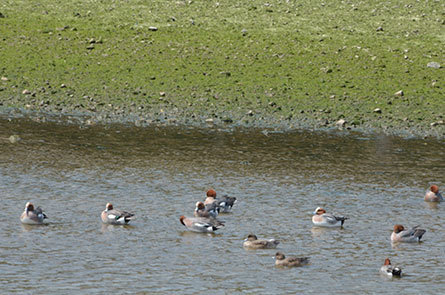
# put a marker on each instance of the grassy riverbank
(247, 62)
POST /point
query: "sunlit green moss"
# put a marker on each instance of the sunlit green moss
(284, 59)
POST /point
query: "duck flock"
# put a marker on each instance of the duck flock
(205, 221)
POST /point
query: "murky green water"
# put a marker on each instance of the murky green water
(159, 174)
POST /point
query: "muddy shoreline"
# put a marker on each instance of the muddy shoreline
(187, 118)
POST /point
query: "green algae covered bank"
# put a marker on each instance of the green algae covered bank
(325, 64)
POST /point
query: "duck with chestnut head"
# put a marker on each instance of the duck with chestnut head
(201, 224)
(433, 194)
(201, 210)
(225, 203)
(400, 234)
(323, 219)
(390, 270)
(32, 215)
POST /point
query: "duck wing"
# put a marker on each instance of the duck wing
(226, 203)
(298, 260)
(118, 214)
(213, 209)
(201, 224)
(331, 219)
(39, 212)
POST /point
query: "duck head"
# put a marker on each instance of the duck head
(211, 193)
(279, 256)
(434, 188)
(29, 207)
(200, 206)
(108, 207)
(398, 228)
(251, 237)
(319, 211)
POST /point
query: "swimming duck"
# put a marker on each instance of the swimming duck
(225, 203)
(323, 219)
(400, 234)
(116, 217)
(433, 194)
(390, 270)
(211, 210)
(281, 260)
(31, 215)
(201, 224)
(210, 197)
(252, 242)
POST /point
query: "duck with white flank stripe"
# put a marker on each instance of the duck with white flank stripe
(201, 224)
(323, 219)
(116, 217)
(389, 270)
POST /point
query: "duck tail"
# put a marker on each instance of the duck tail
(396, 271)
(128, 217)
(419, 233)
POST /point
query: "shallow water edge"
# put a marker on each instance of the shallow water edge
(176, 119)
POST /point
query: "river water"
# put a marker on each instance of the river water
(160, 173)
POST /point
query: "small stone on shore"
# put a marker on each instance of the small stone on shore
(14, 138)
(399, 93)
(341, 123)
(434, 65)
(434, 124)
